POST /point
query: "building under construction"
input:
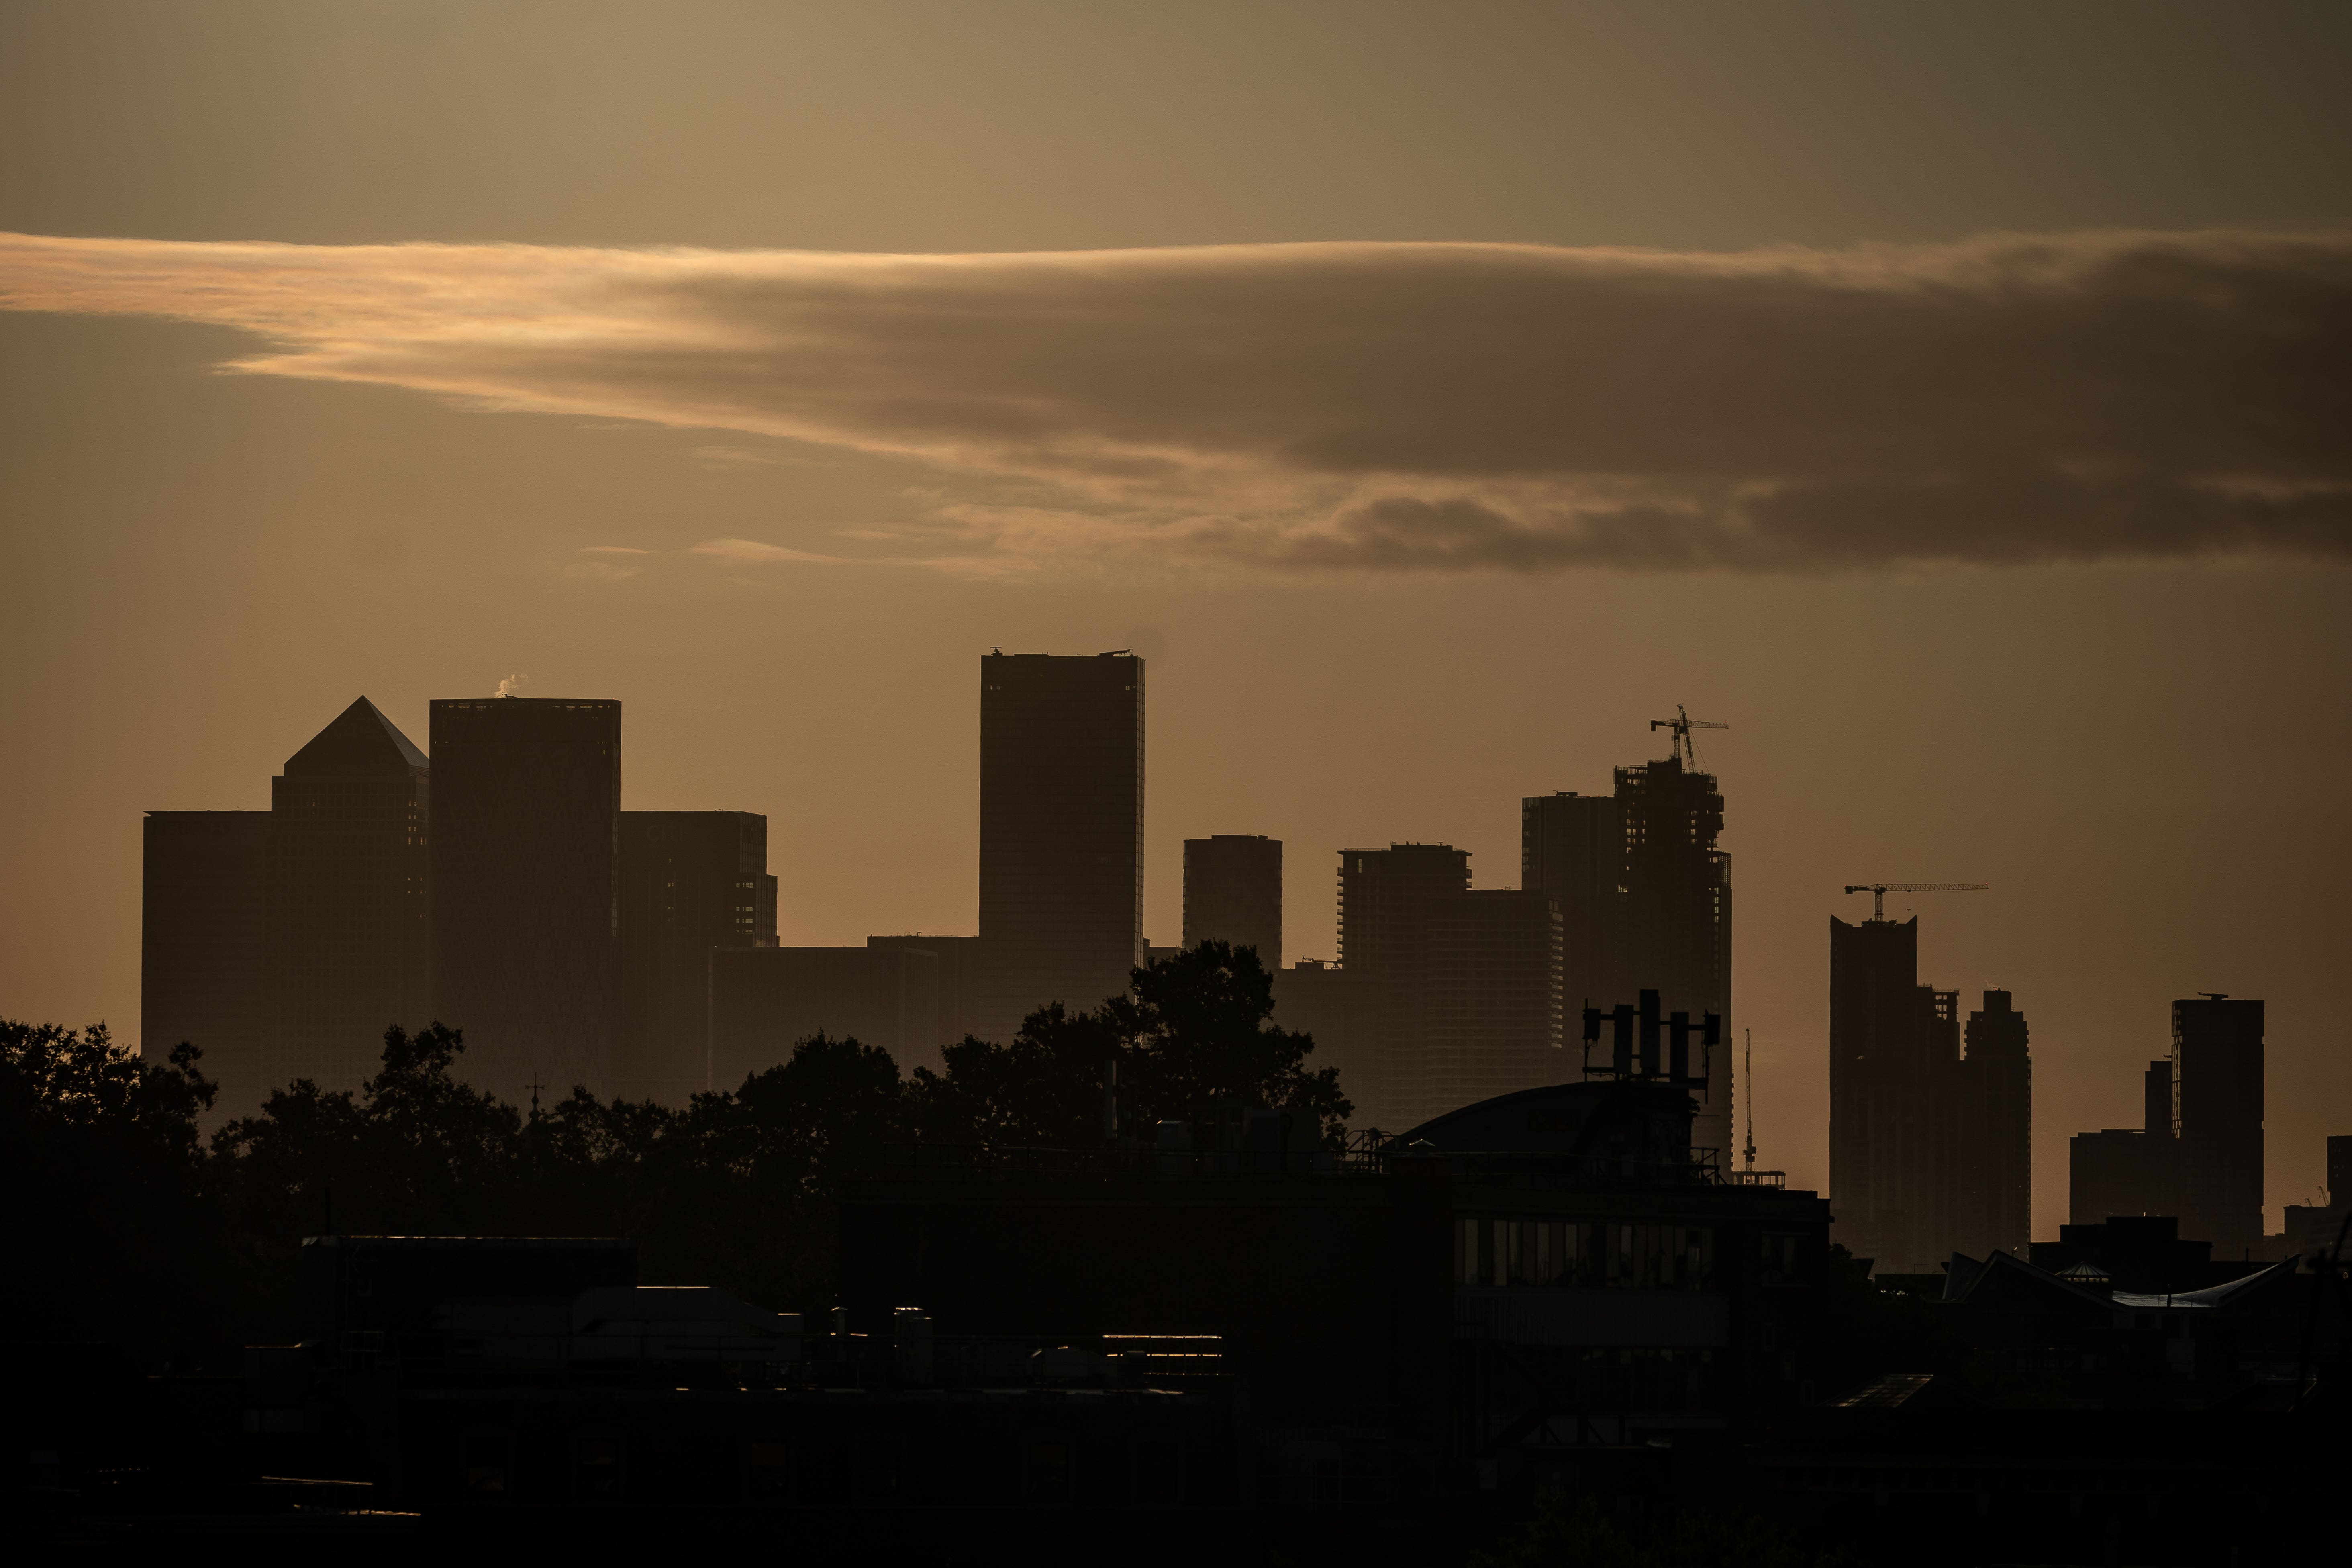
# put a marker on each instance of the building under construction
(1930, 1150)
(1645, 896)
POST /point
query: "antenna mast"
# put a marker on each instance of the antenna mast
(1747, 1076)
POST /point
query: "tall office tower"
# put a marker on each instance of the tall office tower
(691, 881)
(957, 962)
(1893, 1083)
(1233, 893)
(351, 908)
(202, 940)
(765, 1001)
(1572, 847)
(1061, 832)
(2217, 1121)
(1334, 1006)
(1677, 914)
(1994, 1150)
(527, 888)
(1386, 900)
(1497, 1016)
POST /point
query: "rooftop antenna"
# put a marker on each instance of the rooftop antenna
(1682, 724)
(1879, 909)
(1748, 1077)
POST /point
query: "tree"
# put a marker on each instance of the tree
(1197, 1034)
(414, 1152)
(1193, 1035)
(107, 1228)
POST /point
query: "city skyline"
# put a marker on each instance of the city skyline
(742, 914)
(2124, 743)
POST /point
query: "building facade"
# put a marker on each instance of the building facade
(1886, 1141)
(1387, 898)
(204, 944)
(765, 1001)
(527, 872)
(957, 961)
(1572, 847)
(2217, 1121)
(1233, 893)
(691, 881)
(351, 907)
(1061, 832)
(1497, 1017)
(1335, 1005)
(1676, 914)
(1996, 1141)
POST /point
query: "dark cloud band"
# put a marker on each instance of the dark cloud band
(2008, 399)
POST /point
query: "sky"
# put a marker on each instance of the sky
(1949, 399)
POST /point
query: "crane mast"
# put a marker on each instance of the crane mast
(1880, 890)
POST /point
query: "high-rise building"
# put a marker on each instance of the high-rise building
(1386, 900)
(1994, 1149)
(1572, 847)
(765, 1001)
(2217, 1121)
(1886, 1087)
(203, 946)
(1061, 832)
(1930, 1150)
(350, 917)
(1495, 1016)
(691, 881)
(1335, 1005)
(1676, 935)
(526, 877)
(1233, 893)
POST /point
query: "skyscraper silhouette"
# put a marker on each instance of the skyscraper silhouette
(1995, 1149)
(1886, 1140)
(349, 921)
(691, 882)
(1387, 900)
(1677, 914)
(2217, 1120)
(203, 946)
(526, 874)
(1495, 1016)
(1061, 832)
(1233, 893)
(1572, 847)
(1644, 897)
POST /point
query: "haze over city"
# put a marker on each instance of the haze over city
(769, 493)
(1483, 783)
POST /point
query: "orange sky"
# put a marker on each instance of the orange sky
(2013, 560)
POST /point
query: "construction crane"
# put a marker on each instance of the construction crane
(1878, 911)
(1682, 724)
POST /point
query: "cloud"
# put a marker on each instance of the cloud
(752, 550)
(1398, 408)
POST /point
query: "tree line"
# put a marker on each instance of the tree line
(133, 1228)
